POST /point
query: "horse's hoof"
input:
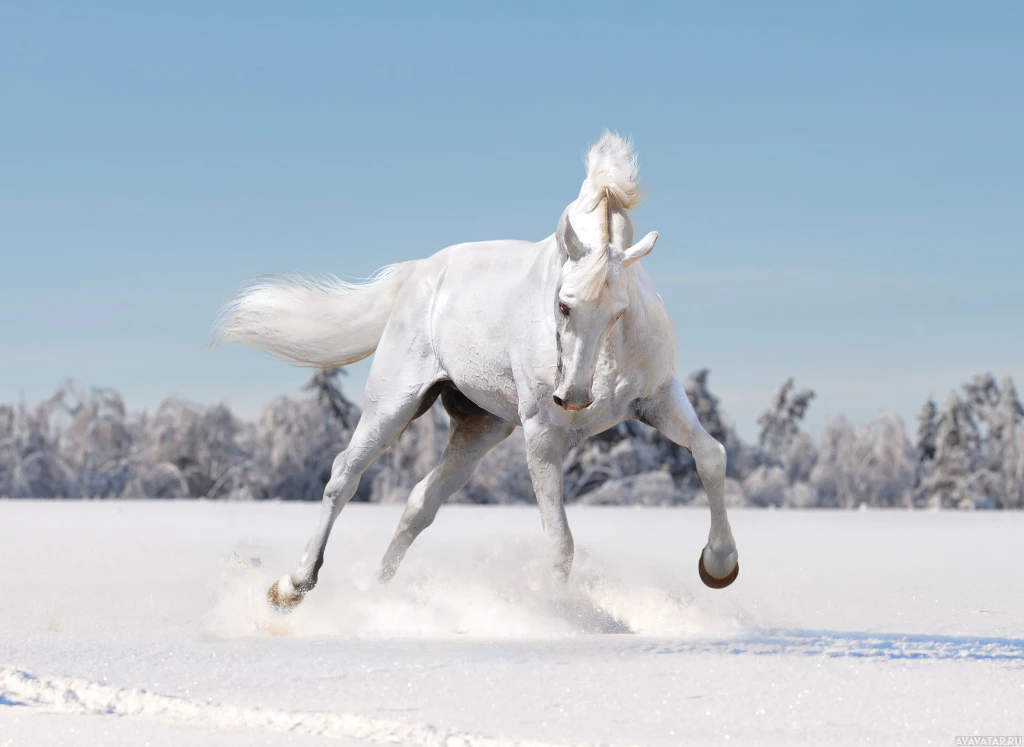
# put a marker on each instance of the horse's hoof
(712, 582)
(283, 596)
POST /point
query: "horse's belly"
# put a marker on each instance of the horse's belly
(497, 401)
(479, 368)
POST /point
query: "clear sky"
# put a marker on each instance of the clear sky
(839, 188)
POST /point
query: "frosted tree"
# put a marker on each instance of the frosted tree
(838, 474)
(609, 461)
(294, 445)
(325, 385)
(926, 447)
(409, 459)
(873, 466)
(187, 449)
(997, 414)
(82, 443)
(950, 483)
(706, 405)
(927, 431)
(97, 441)
(787, 454)
(1011, 453)
(502, 475)
(780, 423)
(8, 450)
(892, 463)
(37, 468)
(982, 395)
(296, 442)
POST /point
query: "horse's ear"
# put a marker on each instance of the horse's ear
(573, 246)
(640, 249)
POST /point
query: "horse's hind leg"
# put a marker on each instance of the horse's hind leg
(390, 406)
(474, 432)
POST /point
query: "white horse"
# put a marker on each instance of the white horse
(566, 337)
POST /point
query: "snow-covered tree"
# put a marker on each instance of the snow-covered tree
(325, 386)
(780, 423)
(706, 405)
(873, 466)
(981, 434)
(186, 449)
(502, 475)
(294, 446)
(82, 443)
(927, 431)
(1011, 452)
(610, 461)
(407, 461)
(33, 465)
(956, 449)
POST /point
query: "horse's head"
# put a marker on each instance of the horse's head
(592, 292)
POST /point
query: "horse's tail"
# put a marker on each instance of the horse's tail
(322, 323)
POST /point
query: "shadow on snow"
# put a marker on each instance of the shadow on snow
(838, 644)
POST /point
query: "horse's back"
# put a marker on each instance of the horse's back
(478, 260)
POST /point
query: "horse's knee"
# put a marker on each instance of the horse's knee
(710, 456)
(335, 488)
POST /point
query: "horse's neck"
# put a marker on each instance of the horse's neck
(643, 338)
(546, 270)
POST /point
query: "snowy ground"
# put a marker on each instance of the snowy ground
(128, 623)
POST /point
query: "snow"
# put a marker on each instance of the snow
(144, 622)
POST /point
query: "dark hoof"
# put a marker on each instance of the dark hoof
(712, 582)
(282, 601)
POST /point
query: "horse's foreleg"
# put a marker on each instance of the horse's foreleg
(374, 433)
(545, 450)
(468, 442)
(671, 413)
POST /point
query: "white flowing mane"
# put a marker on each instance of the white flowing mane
(613, 171)
(613, 182)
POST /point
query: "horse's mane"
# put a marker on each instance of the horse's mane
(613, 175)
(612, 171)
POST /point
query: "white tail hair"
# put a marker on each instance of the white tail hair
(317, 322)
(613, 171)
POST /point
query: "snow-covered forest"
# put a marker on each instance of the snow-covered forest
(967, 452)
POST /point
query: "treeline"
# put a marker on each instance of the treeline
(82, 443)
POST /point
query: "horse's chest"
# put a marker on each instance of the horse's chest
(614, 396)
(619, 378)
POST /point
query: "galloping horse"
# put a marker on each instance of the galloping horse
(565, 337)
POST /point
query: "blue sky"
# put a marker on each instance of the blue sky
(839, 188)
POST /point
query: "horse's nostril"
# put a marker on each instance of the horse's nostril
(559, 401)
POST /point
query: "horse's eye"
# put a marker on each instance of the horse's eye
(564, 309)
